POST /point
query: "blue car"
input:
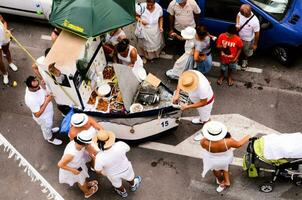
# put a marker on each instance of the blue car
(280, 20)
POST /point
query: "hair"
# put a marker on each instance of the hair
(46, 52)
(232, 29)
(228, 135)
(202, 31)
(29, 81)
(150, 1)
(101, 144)
(122, 45)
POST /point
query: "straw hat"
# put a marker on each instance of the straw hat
(214, 130)
(188, 81)
(85, 136)
(106, 136)
(188, 33)
(79, 119)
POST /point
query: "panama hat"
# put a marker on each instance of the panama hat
(79, 119)
(188, 33)
(106, 136)
(188, 81)
(85, 137)
(214, 130)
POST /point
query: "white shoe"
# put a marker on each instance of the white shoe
(55, 141)
(198, 136)
(13, 67)
(220, 189)
(196, 121)
(171, 74)
(5, 79)
(144, 60)
(55, 129)
(244, 64)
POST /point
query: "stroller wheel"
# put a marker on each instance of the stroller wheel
(266, 188)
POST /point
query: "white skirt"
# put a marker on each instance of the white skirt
(70, 178)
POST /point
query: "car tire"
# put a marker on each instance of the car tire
(285, 55)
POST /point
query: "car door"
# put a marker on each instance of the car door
(218, 14)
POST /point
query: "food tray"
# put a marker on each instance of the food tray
(105, 109)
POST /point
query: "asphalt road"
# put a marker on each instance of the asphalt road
(272, 98)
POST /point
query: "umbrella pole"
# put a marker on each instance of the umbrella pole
(34, 60)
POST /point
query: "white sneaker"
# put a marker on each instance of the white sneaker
(196, 121)
(171, 74)
(198, 136)
(244, 64)
(13, 67)
(5, 79)
(55, 141)
(220, 189)
(55, 129)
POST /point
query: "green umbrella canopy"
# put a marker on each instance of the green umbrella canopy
(90, 18)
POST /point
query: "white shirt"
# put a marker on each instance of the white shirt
(78, 156)
(247, 33)
(150, 17)
(34, 100)
(114, 160)
(203, 90)
(184, 16)
(4, 38)
(115, 39)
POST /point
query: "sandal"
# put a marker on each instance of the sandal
(230, 82)
(220, 81)
(93, 189)
(92, 183)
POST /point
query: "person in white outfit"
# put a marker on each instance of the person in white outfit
(4, 50)
(39, 102)
(150, 15)
(112, 162)
(72, 165)
(127, 55)
(249, 31)
(111, 40)
(200, 93)
(185, 62)
(217, 152)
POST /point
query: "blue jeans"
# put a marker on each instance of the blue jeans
(225, 67)
(205, 66)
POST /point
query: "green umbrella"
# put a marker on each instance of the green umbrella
(90, 18)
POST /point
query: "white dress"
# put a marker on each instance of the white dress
(153, 42)
(180, 64)
(77, 162)
(216, 161)
(138, 65)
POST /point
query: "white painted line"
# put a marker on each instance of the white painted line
(166, 56)
(237, 125)
(29, 169)
(248, 69)
(46, 37)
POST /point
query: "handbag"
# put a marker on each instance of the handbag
(139, 31)
(65, 124)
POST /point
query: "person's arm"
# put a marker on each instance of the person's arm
(236, 144)
(95, 124)
(63, 164)
(176, 95)
(36, 71)
(196, 18)
(198, 104)
(199, 57)
(161, 23)
(237, 22)
(4, 22)
(237, 55)
(171, 24)
(133, 57)
(48, 99)
(256, 39)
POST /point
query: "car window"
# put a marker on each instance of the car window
(275, 8)
(226, 10)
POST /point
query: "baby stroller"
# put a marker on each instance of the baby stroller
(255, 159)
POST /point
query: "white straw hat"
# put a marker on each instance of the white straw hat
(188, 33)
(85, 136)
(79, 119)
(214, 130)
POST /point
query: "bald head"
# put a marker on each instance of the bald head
(246, 10)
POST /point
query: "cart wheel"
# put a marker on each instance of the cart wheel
(298, 183)
(266, 188)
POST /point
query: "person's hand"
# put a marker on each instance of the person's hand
(202, 57)
(161, 29)
(49, 97)
(43, 84)
(254, 47)
(75, 171)
(175, 98)
(184, 107)
(144, 23)
(171, 33)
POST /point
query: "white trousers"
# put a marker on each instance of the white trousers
(46, 122)
(205, 112)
